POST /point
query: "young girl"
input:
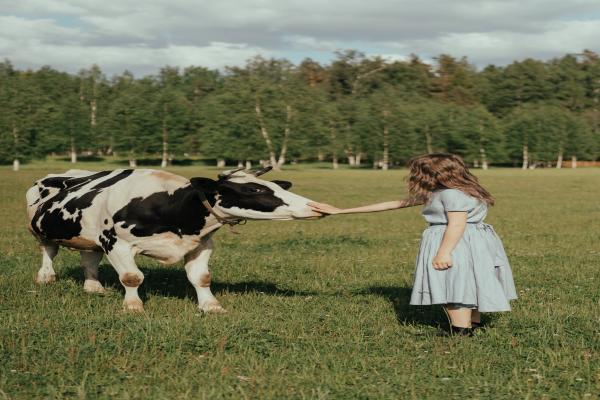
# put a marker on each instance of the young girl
(461, 263)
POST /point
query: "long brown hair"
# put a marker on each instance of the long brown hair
(435, 171)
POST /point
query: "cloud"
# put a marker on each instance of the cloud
(144, 36)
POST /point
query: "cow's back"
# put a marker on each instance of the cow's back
(71, 205)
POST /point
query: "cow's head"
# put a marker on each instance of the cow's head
(241, 194)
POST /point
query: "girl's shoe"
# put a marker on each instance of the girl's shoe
(460, 331)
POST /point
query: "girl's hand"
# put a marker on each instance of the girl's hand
(324, 208)
(442, 261)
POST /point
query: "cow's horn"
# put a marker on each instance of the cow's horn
(263, 171)
(227, 174)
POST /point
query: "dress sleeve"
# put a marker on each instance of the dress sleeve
(455, 200)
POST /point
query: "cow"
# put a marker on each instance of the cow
(158, 214)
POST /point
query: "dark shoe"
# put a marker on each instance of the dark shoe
(459, 331)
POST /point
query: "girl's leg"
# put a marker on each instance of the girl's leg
(475, 317)
(460, 317)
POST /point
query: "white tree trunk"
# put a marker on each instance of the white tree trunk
(483, 155)
(220, 163)
(15, 133)
(428, 140)
(73, 151)
(165, 142)
(386, 146)
(357, 160)
(525, 156)
(286, 135)
(320, 156)
(334, 156)
(265, 134)
(248, 164)
(574, 162)
(559, 160)
(93, 111)
(240, 164)
(132, 163)
(351, 160)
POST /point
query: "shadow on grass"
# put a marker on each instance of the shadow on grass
(406, 314)
(399, 298)
(173, 282)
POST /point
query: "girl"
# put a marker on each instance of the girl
(461, 262)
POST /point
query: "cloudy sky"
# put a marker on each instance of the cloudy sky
(143, 35)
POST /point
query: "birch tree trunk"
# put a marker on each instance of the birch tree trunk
(132, 160)
(559, 160)
(248, 164)
(220, 163)
(286, 135)
(334, 156)
(525, 156)
(93, 110)
(483, 156)
(240, 164)
(165, 140)
(386, 146)
(265, 134)
(16, 163)
(428, 140)
(73, 150)
(357, 160)
(574, 162)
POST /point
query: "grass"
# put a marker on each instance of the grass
(317, 309)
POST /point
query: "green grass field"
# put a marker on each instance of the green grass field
(317, 309)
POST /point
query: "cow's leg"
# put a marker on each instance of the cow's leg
(121, 258)
(89, 263)
(196, 267)
(46, 273)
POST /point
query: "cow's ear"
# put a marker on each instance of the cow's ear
(284, 184)
(205, 185)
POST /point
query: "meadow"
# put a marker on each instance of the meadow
(316, 309)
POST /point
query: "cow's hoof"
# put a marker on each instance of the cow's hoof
(41, 279)
(134, 305)
(91, 286)
(213, 308)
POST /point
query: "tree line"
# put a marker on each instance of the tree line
(357, 110)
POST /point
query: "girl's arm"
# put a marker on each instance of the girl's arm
(457, 222)
(324, 208)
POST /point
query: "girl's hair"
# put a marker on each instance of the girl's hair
(435, 171)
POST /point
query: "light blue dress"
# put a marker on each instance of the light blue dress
(480, 276)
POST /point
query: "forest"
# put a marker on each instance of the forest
(356, 110)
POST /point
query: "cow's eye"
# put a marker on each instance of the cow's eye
(253, 190)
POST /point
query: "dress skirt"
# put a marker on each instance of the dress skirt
(480, 276)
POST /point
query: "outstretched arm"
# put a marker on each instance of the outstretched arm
(324, 208)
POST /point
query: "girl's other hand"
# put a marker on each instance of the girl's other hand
(442, 261)
(324, 208)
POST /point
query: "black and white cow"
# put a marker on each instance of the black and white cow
(154, 213)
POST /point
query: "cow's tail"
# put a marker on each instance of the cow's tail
(33, 199)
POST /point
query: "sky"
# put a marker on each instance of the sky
(142, 36)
